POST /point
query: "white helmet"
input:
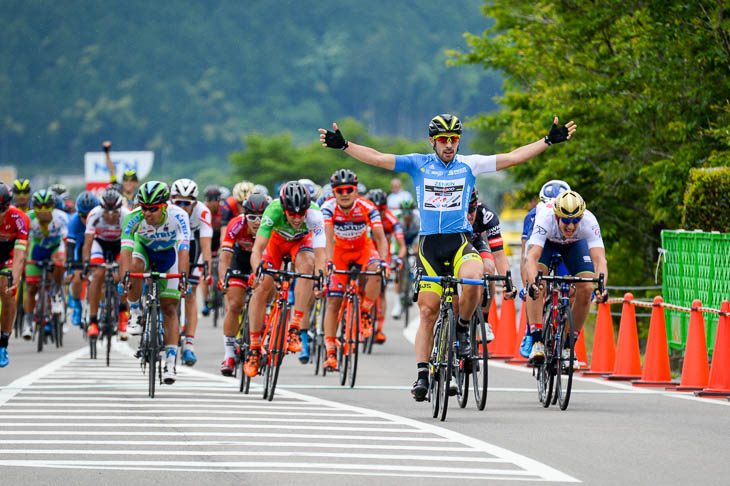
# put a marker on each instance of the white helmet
(260, 188)
(552, 189)
(242, 190)
(225, 192)
(184, 188)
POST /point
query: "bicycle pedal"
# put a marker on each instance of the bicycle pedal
(452, 391)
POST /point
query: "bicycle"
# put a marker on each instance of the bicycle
(42, 316)
(443, 363)
(19, 309)
(243, 337)
(108, 308)
(558, 335)
(317, 349)
(182, 312)
(214, 299)
(406, 296)
(348, 319)
(151, 344)
(274, 340)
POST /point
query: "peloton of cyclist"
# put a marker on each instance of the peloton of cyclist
(571, 230)
(85, 203)
(444, 181)
(236, 255)
(14, 225)
(212, 196)
(291, 225)
(347, 218)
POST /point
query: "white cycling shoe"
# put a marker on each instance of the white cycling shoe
(490, 333)
(397, 309)
(134, 324)
(168, 373)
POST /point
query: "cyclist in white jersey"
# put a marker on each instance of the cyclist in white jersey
(444, 181)
(102, 240)
(184, 193)
(158, 236)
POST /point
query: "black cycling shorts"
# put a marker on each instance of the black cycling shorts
(440, 255)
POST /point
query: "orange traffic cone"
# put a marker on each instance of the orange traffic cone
(696, 368)
(517, 358)
(656, 360)
(504, 341)
(628, 358)
(493, 320)
(719, 384)
(603, 357)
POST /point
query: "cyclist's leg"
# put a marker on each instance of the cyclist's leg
(236, 296)
(191, 313)
(95, 290)
(303, 257)
(535, 307)
(7, 315)
(578, 261)
(33, 278)
(139, 263)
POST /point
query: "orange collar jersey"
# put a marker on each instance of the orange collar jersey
(351, 227)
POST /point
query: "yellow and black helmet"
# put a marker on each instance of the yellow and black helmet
(569, 204)
(21, 186)
(444, 123)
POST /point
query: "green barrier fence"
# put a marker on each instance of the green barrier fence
(696, 266)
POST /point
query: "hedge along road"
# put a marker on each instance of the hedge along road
(75, 420)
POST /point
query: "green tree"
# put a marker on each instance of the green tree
(647, 84)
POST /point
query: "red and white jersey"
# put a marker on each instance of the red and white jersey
(102, 230)
(14, 231)
(200, 220)
(237, 235)
(351, 226)
(391, 224)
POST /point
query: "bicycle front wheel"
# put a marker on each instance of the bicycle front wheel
(355, 338)
(434, 369)
(244, 380)
(564, 382)
(447, 364)
(153, 353)
(480, 359)
(277, 354)
(546, 374)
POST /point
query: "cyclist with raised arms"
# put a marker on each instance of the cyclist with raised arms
(393, 231)
(347, 218)
(48, 229)
(571, 230)
(102, 239)
(156, 236)
(130, 182)
(236, 255)
(184, 194)
(291, 225)
(14, 225)
(85, 203)
(444, 181)
(21, 194)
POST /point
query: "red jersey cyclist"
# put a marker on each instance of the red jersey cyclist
(347, 218)
(236, 255)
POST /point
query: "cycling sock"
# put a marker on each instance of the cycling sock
(93, 320)
(170, 352)
(535, 326)
(255, 340)
(576, 335)
(422, 368)
(189, 340)
(463, 322)
(304, 335)
(329, 344)
(536, 335)
(29, 318)
(4, 339)
(296, 320)
(134, 306)
(229, 343)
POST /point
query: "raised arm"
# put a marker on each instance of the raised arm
(107, 145)
(360, 152)
(526, 152)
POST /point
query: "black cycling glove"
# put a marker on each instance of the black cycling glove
(335, 140)
(557, 134)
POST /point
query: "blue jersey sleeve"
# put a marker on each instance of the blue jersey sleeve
(528, 224)
(407, 163)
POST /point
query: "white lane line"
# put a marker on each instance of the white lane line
(220, 409)
(283, 465)
(292, 453)
(26, 380)
(240, 397)
(243, 443)
(120, 412)
(126, 433)
(191, 401)
(327, 419)
(208, 425)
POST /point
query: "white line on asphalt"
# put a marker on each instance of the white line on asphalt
(400, 430)
(121, 412)
(259, 453)
(328, 419)
(125, 433)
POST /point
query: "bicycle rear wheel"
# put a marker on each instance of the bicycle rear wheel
(244, 380)
(343, 357)
(480, 359)
(447, 365)
(19, 309)
(564, 382)
(370, 340)
(546, 373)
(153, 353)
(41, 316)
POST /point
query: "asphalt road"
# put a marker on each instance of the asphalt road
(65, 419)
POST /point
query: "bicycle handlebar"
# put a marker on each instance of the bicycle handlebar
(230, 273)
(569, 279)
(9, 275)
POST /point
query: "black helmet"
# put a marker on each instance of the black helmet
(111, 200)
(255, 203)
(115, 186)
(444, 123)
(474, 199)
(153, 192)
(212, 193)
(377, 196)
(21, 186)
(42, 198)
(294, 197)
(343, 177)
(58, 189)
(5, 196)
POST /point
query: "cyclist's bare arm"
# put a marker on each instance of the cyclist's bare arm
(329, 234)
(183, 261)
(364, 154)
(598, 255)
(257, 252)
(533, 256)
(86, 251)
(18, 266)
(205, 245)
(527, 152)
(402, 248)
(223, 264)
(501, 262)
(523, 264)
(319, 260)
(380, 243)
(109, 164)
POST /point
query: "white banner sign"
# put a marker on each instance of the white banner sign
(95, 168)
